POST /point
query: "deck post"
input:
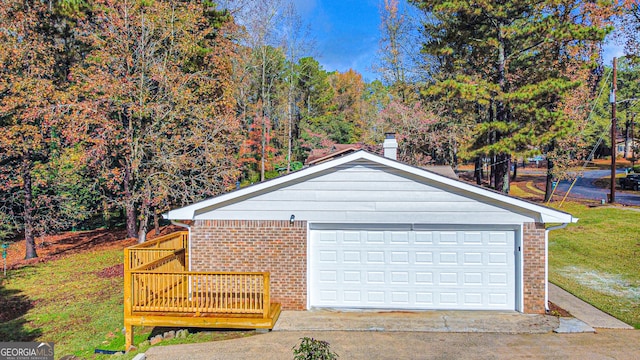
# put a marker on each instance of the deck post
(185, 246)
(267, 298)
(128, 328)
(128, 336)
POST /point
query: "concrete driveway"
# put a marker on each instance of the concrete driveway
(605, 344)
(418, 335)
(430, 335)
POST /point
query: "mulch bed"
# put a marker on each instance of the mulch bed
(556, 310)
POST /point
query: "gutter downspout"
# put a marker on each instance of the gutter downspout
(546, 262)
(176, 223)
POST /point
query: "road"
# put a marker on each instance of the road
(585, 188)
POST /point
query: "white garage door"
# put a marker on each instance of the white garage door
(464, 270)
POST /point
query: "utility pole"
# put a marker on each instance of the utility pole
(633, 142)
(612, 100)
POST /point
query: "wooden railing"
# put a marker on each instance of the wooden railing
(159, 290)
(200, 292)
(147, 252)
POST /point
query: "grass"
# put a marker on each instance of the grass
(65, 301)
(597, 259)
(72, 303)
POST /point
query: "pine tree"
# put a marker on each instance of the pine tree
(503, 63)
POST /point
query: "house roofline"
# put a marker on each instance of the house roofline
(546, 214)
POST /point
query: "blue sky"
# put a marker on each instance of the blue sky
(347, 34)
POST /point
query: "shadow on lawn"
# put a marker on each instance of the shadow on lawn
(13, 307)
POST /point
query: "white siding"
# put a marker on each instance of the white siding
(365, 192)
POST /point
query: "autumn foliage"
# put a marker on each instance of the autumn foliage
(117, 111)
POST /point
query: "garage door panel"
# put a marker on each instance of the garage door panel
(351, 257)
(471, 298)
(473, 279)
(375, 257)
(448, 238)
(448, 258)
(412, 269)
(424, 257)
(424, 278)
(498, 238)
(472, 238)
(328, 256)
(374, 237)
(352, 276)
(399, 257)
(400, 237)
(328, 276)
(400, 277)
(400, 297)
(351, 237)
(423, 237)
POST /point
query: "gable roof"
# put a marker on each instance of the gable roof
(544, 214)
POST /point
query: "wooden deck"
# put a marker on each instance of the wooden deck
(159, 291)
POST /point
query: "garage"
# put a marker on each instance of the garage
(412, 269)
(363, 231)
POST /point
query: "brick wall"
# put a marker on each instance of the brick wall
(278, 247)
(281, 249)
(533, 268)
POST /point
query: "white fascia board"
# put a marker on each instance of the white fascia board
(546, 215)
(189, 212)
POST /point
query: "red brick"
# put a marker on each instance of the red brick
(278, 247)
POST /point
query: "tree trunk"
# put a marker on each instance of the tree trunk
(144, 220)
(501, 173)
(156, 222)
(627, 143)
(29, 236)
(515, 171)
(290, 115)
(263, 141)
(142, 231)
(548, 188)
(106, 216)
(477, 171)
(130, 208)
(501, 165)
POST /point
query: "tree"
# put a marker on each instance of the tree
(420, 142)
(398, 66)
(156, 106)
(260, 20)
(631, 29)
(29, 114)
(507, 60)
(295, 43)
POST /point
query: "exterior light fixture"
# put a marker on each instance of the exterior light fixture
(292, 218)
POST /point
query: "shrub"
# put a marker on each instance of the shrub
(312, 349)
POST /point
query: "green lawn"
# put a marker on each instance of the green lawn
(65, 301)
(597, 259)
(72, 303)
